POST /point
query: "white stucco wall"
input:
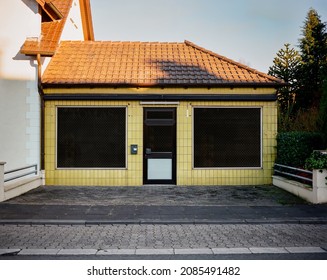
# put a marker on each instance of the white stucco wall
(19, 100)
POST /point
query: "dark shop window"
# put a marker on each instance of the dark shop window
(91, 137)
(227, 137)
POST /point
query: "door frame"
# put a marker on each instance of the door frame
(155, 155)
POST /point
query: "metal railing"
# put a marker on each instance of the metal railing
(30, 172)
(294, 173)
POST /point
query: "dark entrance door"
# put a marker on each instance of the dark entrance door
(159, 164)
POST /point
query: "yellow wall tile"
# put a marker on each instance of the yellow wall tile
(186, 174)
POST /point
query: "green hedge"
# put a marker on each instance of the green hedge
(293, 148)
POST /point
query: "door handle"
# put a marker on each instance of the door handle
(148, 151)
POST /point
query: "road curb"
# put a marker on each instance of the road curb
(159, 222)
(162, 251)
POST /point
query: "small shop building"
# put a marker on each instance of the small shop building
(136, 113)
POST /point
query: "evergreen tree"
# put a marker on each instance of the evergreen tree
(286, 67)
(313, 47)
(323, 111)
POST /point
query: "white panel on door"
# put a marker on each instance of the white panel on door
(159, 169)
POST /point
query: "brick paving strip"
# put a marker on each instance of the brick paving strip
(163, 239)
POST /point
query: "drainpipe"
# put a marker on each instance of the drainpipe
(2, 181)
(41, 93)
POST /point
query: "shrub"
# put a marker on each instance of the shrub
(317, 160)
(293, 148)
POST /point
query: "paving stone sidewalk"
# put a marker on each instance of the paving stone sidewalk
(162, 240)
(162, 236)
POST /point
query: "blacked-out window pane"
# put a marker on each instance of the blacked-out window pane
(227, 137)
(91, 138)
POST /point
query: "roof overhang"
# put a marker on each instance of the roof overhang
(166, 85)
(164, 97)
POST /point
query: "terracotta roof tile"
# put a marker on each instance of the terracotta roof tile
(146, 64)
(50, 31)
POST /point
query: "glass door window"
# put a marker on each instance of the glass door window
(159, 145)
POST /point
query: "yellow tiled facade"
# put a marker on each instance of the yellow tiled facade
(132, 175)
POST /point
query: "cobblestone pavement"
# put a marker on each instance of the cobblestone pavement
(162, 236)
(159, 195)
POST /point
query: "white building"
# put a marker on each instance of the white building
(30, 33)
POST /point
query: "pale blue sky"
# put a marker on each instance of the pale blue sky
(248, 31)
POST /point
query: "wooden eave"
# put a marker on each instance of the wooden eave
(87, 22)
(50, 9)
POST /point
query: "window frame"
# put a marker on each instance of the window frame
(92, 168)
(232, 167)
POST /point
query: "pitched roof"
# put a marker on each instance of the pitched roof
(51, 30)
(147, 64)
